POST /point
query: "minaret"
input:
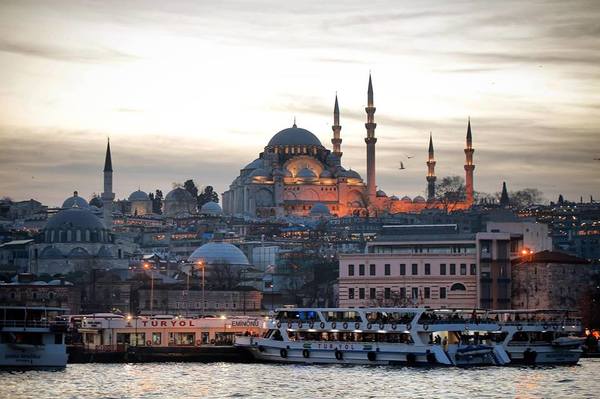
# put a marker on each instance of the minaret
(370, 140)
(469, 166)
(336, 140)
(431, 178)
(107, 195)
(504, 200)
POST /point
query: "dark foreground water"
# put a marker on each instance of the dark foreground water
(194, 380)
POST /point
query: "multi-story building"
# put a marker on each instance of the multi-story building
(430, 265)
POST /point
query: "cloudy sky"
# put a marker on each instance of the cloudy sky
(195, 89)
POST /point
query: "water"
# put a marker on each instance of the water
(229, 380)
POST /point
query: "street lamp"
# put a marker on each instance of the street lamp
(202, 266)
(147, 267)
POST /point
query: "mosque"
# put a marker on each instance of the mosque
(296, 175)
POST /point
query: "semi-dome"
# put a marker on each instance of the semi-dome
(74, 218)
(319, 209)
(179, 194)
(260, 172)
(294, 136)
(306, 173)
(138, 195)
(418, 198)
(257, 163)
(381, 193)
(406, 198)
(326, 174)
(211, 208)
(219, 253)
(352, 174)
(76, 201)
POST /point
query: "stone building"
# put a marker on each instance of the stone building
(29, 292)
(179, 202)
(140, 203)
(549, 280)
(295, 173)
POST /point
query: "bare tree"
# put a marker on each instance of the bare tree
(450, 191)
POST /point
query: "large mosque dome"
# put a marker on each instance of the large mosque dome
(138, 195)
(211, 208)
(294, 136)
(75, 200)
(179, 194)
(219, 253)
(74, 218)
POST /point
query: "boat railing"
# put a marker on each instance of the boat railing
(459, 321)
(60, 324)
(550, 322)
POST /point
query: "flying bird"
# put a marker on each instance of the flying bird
(401, 166)
(596, 159)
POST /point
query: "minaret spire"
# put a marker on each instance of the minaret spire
(370, 140)
(107, 195)
(504, 200)
(336, 140)
(431, 178)
(469, 166)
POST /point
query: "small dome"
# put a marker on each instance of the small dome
(418, 198)
(74, 218)
(406, 199)
(257, 163)
(211, 208)
(319, 209)
(326, 174)
(179, 194)
(75, 201)
(138, 195)
(394, 198)
(260, 172)
(306, 173)
(353, 174)
(294, 136)
(333, 158)
(219, 253)
(381, 193)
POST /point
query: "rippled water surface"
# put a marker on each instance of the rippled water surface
(192, 380)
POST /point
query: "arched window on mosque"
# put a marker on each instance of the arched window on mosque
(458, 287)
(87, 235)
(69, 235)
(78, 235)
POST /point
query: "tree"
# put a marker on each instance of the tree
(207, 195)
(191, 188)
(156, 199)
(450, 191)
(526, 197)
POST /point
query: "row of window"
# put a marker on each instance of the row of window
(415, 292)
(443, 270)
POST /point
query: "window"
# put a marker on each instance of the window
(372, 293)
(427, 269)
(361, 293)
(452, 269)
(402, 269)
(361, 270)
(415, 269)
(387, 293)
(350, 293)
(403, 293)
(458, 287)
(156, 337)
(387, 270)
(371, 269)
(415, 293)
(463, 269)
(442, 292)
(427, 292)
(473, 269)
(442, 269)
(350, 270)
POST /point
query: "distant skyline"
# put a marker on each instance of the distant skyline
(195, 89)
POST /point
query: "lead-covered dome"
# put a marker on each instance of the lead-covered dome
(219, 253)
(75, 201)
(138, 195)
(294, 136)
(74, 218)
(211, 208)
(179, 194)
(319, 209)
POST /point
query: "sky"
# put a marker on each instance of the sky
(195, 89)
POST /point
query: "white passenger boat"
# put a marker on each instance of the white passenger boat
(539, 336)
(380, 336)
(32, 337)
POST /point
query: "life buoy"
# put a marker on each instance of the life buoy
(545, 326)
(381, 325)
(425, 327)
(372, 356)
(519, 327)
(311, 324)
(305, 353)
(279, 324)
(555, 327)
(338, 354)
(466, 327)
(356, 325)
(394, 326)
(148, 343)
(345, 325)
(299, 324)
(408, 326)
(283, 353)
(369, 326)
(322, 325)
(333, 325)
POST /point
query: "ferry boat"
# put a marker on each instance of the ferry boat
(32, 337)
(378, 336)
(107, 332)
(539, 336)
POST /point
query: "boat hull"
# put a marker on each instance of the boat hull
(544, 355)
(32, 356)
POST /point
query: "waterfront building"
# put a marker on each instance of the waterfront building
(179, 203)
(14, 255)
(140, 203)
(296, 174)
(25, 290)
(550, 280)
